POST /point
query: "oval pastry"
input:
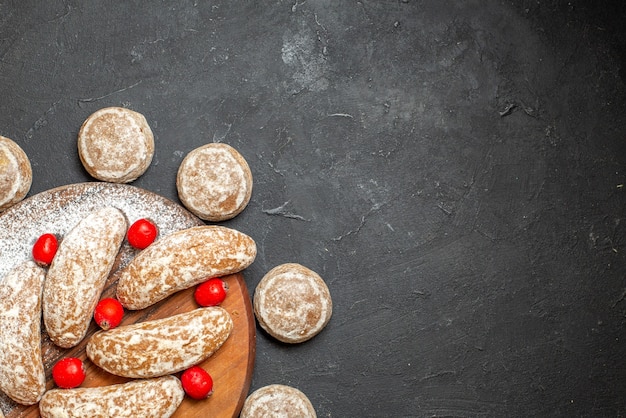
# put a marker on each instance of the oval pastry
(22, 375)
(292, 303)
(161, 346)
(16, 175)
(181, 260)
(277, 401)
(147, 398)
(78, 274)
(116, 145)
(214, 182)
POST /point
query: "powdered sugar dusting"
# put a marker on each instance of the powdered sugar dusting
(182, 260)
(11, 167)
(163, 346)
(78, 274)
(214, 181)
(58, 210)
(292, 303)
(146, 398)
(116, 144)
(279, 401)
(21, 367)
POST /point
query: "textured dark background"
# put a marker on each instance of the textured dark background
(454, 170)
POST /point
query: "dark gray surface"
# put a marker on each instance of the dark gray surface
(453, 170)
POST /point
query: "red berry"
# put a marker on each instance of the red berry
(196, 382)
(211, 293)
(68, 372)
(44, 249)
(108, 313)
(142, 233)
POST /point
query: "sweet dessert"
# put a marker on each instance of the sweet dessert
(214, 182)
(292, 303)
(277, 401)
(161, 346)
(78, 274)
(60, 211)
(149, 398)
(16, 175)
(22, 375)
(116, 144)
(200, 253)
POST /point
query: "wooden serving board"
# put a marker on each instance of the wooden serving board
(57, 211)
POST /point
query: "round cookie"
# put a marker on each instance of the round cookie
(277, 401)
(16, 175)
(214, 182)
(116, 145)
(292, 303)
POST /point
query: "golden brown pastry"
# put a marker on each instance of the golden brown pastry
(116, 145)
(161, 346)
(149, 398)
(16, 175)
(292, 303)
(78, 274)
(181, 260)
(277, 401)
(22, 375)
(214, 182)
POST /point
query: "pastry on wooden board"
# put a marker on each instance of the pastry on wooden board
(146, 398)
(78, 274)
(22, 375)
(162, 346)
(60, 210)
(182, 260)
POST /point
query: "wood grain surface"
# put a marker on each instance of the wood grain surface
(56, 211)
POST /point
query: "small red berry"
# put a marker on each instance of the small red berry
(197, 383)
(142, 233)
(211, 293)
(44, 249)
(68, 372)
(108, 313)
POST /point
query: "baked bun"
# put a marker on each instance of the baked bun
(16, 175)
(292, 303)
(116, 145)
(277, 401)
(214, 182)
